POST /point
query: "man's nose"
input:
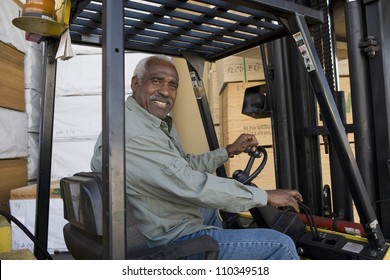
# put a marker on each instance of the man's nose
(164, 88)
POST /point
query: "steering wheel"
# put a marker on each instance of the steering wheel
(244, 176)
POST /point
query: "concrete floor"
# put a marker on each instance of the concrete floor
(62, 256)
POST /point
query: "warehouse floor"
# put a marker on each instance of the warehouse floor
(62, 256)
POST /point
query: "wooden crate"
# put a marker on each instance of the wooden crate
(13, 174)
(11, 78)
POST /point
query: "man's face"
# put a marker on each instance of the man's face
(156, 93)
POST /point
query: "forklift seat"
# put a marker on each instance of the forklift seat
(83, 209)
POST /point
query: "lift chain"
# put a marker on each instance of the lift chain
(322, 42)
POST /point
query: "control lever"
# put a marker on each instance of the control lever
(310, 221)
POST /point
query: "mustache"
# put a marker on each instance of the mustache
(161, 99)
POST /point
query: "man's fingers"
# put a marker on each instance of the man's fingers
(294, 204)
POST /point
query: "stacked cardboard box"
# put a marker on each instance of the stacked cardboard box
(234, 123)
(23, 205)
(228, 79)
(238, 69)
(231, 69)
(13, 122)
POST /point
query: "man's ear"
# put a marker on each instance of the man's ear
(134, 84)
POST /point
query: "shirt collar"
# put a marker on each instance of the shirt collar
(165, 124)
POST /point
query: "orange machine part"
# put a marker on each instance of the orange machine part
(43, 7)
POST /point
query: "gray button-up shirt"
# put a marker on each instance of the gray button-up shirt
(166, 186)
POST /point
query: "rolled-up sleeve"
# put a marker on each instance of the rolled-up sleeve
(208, 162)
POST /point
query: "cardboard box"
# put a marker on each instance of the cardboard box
(24, 211)
(13, 174)
(71, 156)
(234, 123)
(30, 192)
(13, 134)
(238, 69)
(77, 116)
(11, 78)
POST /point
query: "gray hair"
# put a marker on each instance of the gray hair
(142, 65)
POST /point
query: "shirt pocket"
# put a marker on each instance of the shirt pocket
(172, 168)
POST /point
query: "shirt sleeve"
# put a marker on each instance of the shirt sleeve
(155, 168)
(208, 162)
(96, 161)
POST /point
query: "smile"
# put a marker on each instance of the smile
(160, 103)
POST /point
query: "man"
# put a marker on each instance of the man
(173, 193)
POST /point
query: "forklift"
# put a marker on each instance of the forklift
(297, 43)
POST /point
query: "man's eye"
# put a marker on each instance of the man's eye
(173, 85)
(156, 81)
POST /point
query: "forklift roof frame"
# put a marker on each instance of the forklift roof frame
(184, 29)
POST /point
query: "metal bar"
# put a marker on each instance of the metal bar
(211, 11)
(45, 147)
(377, 27)
(241, 8)
(113, 169)
(195, 66)
(341, 197)
(194, 18)
(361, 100)
(281, 8)
(301, 34)
(278, 33)
(280, 89)
(307, 154)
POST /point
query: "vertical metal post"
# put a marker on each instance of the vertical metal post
(360, 95)
(281, 116)
(342, 201)
(195, 67)
(113, 169)
(301, 34)
(308, 159)
(377, 48)
(45, 147)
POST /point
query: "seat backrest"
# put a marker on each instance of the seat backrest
(83, 208)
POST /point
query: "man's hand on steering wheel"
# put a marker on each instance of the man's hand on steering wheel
(243, 142)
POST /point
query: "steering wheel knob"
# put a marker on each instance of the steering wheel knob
(245, 176)
(240, 175)
(256, 154)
